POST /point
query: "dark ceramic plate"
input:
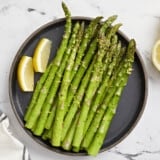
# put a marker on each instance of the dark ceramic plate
(131, 105)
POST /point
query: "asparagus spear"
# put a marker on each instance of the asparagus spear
(85, 63)
(100, 135)
(47, 134)
(59, 74)
(37, 89)
(77, 79)
(44, 136)
(97, 142)
(104, 84)
(55, 84)
(115, 82)
(57, 126)
(75, 149)
(94, 84)
(67, 142)
(51, 116)
(91, 89)
(77, 100)
(94, 122)
(56, 63)
(88, 35)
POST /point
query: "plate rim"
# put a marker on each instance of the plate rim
(57, 150)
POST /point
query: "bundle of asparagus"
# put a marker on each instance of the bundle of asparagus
(76, 98)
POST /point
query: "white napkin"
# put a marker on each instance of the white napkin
(10, 147)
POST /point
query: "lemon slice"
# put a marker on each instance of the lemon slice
(156, 55)
(25, 74)
(41, 55)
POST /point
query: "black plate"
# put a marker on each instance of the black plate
(131, 104)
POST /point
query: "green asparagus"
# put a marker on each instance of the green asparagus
(106, 98)
(112, 105)
(67, 142)
(55, 84)
(89, 33)
(37, 89)
(85, 63)
(57, 127)
(94, 84)
(51, 115)
(77, 99)
(36, 110)
(77, 79)
(103, 87)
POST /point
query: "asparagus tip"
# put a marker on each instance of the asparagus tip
(65, 9)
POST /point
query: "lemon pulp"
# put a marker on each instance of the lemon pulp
(156, 55)
(41, 55)
(25, 74)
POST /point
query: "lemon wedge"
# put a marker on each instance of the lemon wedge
(25, 74)
(41, 55)
(156, 55)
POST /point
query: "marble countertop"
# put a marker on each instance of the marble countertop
(141, 20)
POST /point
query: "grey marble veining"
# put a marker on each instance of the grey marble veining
(141, 20)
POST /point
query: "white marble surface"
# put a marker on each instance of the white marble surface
(141, 20)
